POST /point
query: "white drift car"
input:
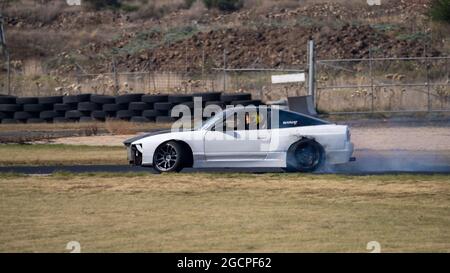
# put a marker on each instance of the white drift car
(240, 137)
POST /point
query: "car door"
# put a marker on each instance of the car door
(236, 143)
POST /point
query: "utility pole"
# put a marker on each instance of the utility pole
(4, 50)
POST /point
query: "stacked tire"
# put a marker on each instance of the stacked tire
(8, 107)
(135, 107)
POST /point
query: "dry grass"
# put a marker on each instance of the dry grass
(224, 212)
(112, 126)
(55, 154)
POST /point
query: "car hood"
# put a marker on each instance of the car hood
(141, 136)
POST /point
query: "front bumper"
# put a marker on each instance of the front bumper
(341, 156)
(134, 155)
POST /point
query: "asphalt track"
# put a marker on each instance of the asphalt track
(367, 162)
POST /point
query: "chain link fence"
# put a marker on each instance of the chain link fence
(374, 84)
(411, 84)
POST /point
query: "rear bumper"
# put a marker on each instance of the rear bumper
(341, 156)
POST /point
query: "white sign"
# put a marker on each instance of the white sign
(299, 77)
(73, 2)
(374, 2)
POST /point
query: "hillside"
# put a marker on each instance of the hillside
(52, 37)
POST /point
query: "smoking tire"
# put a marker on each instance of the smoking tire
(305, 155)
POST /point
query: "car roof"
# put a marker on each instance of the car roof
(269, 108)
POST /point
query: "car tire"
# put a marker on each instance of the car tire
(65, 106)
(154, 98)
(140, 106)
(208, 96)
(51, 114)
(25, 115)
(165, 119)
(139, 119)
(7, 99)
(74, 114)
(10, 121)
(179, 98)
(88, 106)
(70, 99)
(127, 114)
(36, 120)
(103, 99)
(10, 107)
(152, 113)
(27, 100)
(37, 107)
(127, 98)
(305, 155)
(60, 120)
(169, 157)
(50, 99)
(163, 106)
(115, 107)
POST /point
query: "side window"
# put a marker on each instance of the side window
(245, 120)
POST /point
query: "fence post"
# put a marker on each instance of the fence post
(224, 70)
(8, 71)
(116, 81)
(427, 63)
(371, 79)
(311, 71)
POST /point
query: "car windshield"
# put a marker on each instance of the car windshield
(212, 120)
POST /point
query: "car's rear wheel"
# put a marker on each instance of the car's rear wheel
(305, 156)
(168, 157)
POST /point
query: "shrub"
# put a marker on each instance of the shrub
(440, 10)
(224, 5)
(100, 4)
(188, 3)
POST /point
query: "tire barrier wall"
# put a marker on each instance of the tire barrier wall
(89, 107)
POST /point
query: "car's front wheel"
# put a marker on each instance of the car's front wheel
(305, 156)
(168, 157)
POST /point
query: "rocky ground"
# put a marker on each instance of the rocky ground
(73, 39)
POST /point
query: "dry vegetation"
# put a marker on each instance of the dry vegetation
(224, 212)
(55, 154)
